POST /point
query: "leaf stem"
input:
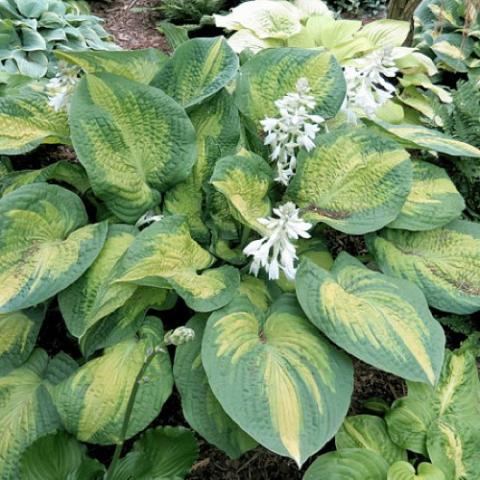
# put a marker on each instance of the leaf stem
(128, 412)
(245, 234)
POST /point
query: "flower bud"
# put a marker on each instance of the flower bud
(179, 336)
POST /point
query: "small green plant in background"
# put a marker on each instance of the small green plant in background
(189, 11)
(30, 32)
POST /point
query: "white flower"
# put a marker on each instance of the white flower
(60, 87)
(367, 87)
(147, 218)
(275, 251)
(295, 128)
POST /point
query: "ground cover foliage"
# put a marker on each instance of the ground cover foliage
(208, 181)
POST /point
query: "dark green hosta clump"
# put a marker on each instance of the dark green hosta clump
(30, 30)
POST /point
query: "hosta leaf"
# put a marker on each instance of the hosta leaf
(198, 69)
(348, 464)
(19, 334)
(404, 471)
(267, 18)
(133, 140)
(165, 255)
(386, 33)
(217, 125)
(433, 201)
(93, 296)
(453, 445)
(44, 246)
(379, 319)
(26, 409)
(200, 408)
(416, 136)
(92, 402)
(59, 456)
(163, 453)
(244, 180)
(62, 171)
(276, 376)
(456, 394)
(256, 291)
(354, 181)
(27, 121)
(369, 432)
(272, 73)
(138, 65)
(126, 320)
(444, 263)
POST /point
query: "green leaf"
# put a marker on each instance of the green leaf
(27, 121)
(276, 376)
(26, 409)
(369, 432)
(416, 136)
(272, 73)
(348, 464)
(163, 453)
(432, 202)
(137, 65)
(381, 320)
(165, 255)
(404, 471)
(44, 245)
(31, 8)
(444, 263)
(245, 179)
(19, 334)
(200, 408)
(198, 69)
(92, 402)
(354, 181)
(93, 295)
(133, 140)
(59, 456)
(456, 394)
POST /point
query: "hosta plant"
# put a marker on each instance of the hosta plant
(440, 425)
(206, 188)
(31, 30)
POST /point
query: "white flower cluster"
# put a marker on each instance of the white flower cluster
(60, 87)
(275, 251)
(367, 88)
(295, 128)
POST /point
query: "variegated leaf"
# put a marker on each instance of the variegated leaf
(405, 471)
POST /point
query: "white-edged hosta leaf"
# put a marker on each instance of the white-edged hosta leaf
(19, 331)
(432, 202)
(245, 179)
(416, 136)
(348, 464)
(453, 445)
(200, 408)
(133, 140)
(198, 69)
(457, 394)
(369, 432)
(405, 471)
(272, 73)
(126, 320)
(27, 120)
(44, 244)
(93, 295)
(26, 409)
(444, 263)
(59, 456)
(165, 255)
(217, 128)
(138, 65)
(276, 376)
(354, 181)
(381, 320)
(162, 453)
(266, 18)
(92, 402)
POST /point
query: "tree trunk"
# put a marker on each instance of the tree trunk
(402, 9)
